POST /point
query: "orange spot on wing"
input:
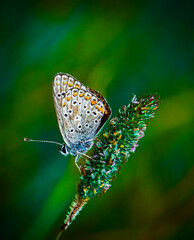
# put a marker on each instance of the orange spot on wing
(64, 82)
(81, 94)
(57, 84)
(93, 102)
(68, 98)
(87, 98)
(76, 86)
(75, 94)
(63, 104)
(100, 109)
(70, 84)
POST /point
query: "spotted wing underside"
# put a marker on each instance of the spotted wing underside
(81, 112)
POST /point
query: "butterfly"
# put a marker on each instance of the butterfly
(81, 113)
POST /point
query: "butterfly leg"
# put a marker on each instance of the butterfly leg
(90, 140)
(85, 155)
(76, 161)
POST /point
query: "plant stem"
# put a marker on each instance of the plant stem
(76, 206)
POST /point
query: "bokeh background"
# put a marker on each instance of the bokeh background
(120, 48)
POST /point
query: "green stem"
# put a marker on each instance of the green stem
(76, 206)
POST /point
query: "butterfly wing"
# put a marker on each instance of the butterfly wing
(62, 83)
(107, 111)
(81, 112)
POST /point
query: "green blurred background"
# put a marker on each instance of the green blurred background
(121, 49)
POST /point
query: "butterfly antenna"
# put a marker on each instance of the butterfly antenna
(43, 141)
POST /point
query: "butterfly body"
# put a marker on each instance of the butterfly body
(81, 112)
(76, 149)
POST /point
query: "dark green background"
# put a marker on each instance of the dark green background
(120, 49)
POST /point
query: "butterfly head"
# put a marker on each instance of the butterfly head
(63, 150)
